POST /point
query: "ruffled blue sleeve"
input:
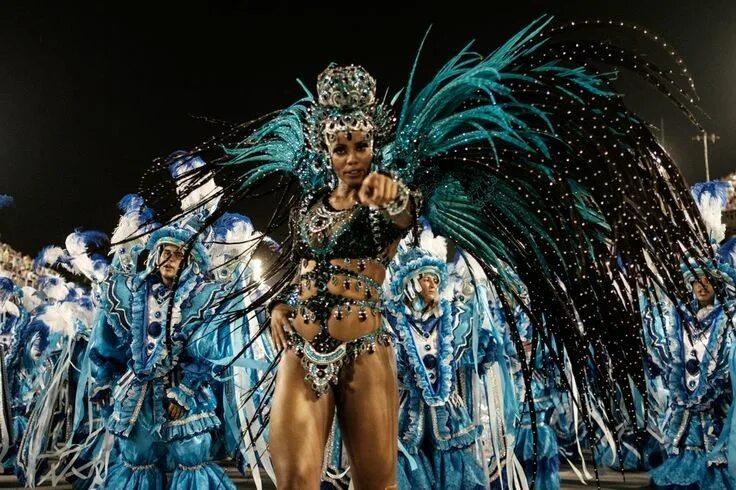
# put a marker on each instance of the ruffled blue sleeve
(206, 351)
(655, 321)
(107, 353)
(486, 341)
(726, 442)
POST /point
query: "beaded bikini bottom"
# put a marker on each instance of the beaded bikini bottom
(323, 369)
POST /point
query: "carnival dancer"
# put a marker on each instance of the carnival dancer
(13, 319)
(438, 419)
(33, 358)
(694, 357)
(514, 153)
(541, 461)
(62, 425)
(691, 345)
(154, 350)
(332, 322)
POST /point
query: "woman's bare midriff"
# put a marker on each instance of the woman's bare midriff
(350, 327)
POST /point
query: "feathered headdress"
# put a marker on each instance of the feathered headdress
(233, 242)
(83, 248)
(410, 262)
(712, 198)
(181, 237)
(195, 189)
(135, 222)
(82, 255)
(721, 272)
(53, 288)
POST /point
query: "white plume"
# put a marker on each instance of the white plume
(127, 227)
(57, 290)
(94, 270)
(75, 244)
(31, 299)
(711, 210)
(207, 190)
(436, 245)
(60, 318)
(51, 255)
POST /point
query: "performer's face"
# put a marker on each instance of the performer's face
(704, 291)
(430, 284)
(169, 262)
(351, 154)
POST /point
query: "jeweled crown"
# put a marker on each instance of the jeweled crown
(346, 87)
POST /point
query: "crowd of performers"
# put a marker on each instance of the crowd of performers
(471, 283)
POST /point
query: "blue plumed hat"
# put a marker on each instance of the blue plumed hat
(182, 163)
(723, 272)
(712, 198)
(181, 237)
(413, 261)
(429, 257)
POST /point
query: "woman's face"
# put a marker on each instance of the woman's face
(704, 291)
(351, 154)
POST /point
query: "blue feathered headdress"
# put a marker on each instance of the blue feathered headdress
(183, 163)
(711, 198)
(133, 203)
(33, 327)
(229, 222)
(722, 272)
(715, 188)
(413, 261)
(181, 237)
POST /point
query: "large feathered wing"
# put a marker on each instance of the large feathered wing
(529, 157)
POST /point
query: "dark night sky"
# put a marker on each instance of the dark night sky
(89, 95)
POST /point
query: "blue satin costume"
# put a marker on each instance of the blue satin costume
(699, 397)
(131, 361)
(436, 364)
(544, 394)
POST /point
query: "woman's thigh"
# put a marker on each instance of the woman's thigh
(300, 424)
(367, 408)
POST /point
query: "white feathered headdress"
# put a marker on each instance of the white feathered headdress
(711, 198)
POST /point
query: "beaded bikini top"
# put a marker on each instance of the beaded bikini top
(322, 232)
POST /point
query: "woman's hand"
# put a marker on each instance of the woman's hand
(378, 190)
(176, 411)
(280, 324)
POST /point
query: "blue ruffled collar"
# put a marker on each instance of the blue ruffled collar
(142, 364)
(445, 355)
(713, 368)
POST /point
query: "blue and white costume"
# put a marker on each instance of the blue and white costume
(13, 319)
(62, 429)
(542, 379)
(438, 428)
(694, 358)
(143, 367)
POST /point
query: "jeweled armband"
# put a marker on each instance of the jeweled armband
(287, 296)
